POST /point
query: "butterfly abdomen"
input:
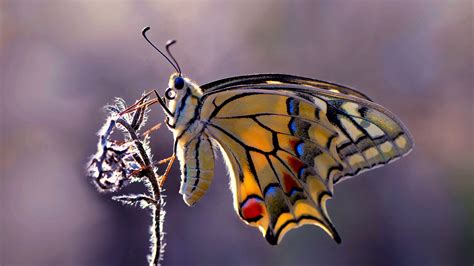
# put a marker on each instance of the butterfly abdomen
(197, 168)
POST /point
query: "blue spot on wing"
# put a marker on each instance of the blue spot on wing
(301, 172)
(292, 106)
(300, 149)
(293, 127)
(271, 191)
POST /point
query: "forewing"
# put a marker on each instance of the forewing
(253, 80)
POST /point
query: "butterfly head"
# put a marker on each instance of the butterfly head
(177, 85)
(182, 94)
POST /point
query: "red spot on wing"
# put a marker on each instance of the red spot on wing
(295, 164)
(252, 209)
(289, 183)
(293, 142)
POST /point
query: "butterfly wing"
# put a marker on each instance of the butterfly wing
(287, 140)
(261, 79)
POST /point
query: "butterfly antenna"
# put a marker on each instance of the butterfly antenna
(168, 45)
(146, 38)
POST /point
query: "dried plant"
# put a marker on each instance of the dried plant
(123, 161)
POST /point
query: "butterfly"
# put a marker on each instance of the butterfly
(286, 141)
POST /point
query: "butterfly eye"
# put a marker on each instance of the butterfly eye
(170, 94)
(179, 83)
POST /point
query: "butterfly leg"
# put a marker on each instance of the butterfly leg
(162, 102)
(170, 161)
(143, 167)
(140, 103)
(153, 128)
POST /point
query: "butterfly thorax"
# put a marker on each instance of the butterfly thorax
(183, 105)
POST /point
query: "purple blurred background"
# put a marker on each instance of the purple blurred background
(62, 61)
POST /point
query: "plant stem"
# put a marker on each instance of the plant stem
(155, 189)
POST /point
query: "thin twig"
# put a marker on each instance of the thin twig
(155, 189)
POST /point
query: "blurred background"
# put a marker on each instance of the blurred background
(61, 61)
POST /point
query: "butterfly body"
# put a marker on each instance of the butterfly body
(286, 141)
